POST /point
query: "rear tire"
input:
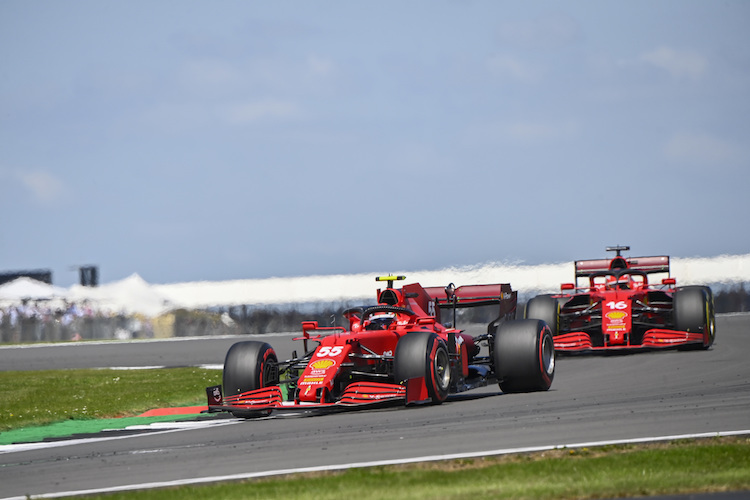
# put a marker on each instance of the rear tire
(524, 356)
(693, 312)
(546, 308)
(249, 366)
(424, 354)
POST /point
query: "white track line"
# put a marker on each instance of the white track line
(160, 367)
(169, 426)
(378, 463)
(84, 343)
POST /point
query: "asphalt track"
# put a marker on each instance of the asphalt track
(593, 398)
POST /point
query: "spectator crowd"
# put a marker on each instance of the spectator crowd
(55, 321)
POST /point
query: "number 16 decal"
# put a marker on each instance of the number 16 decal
(620, 304)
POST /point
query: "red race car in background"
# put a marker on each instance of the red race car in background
(616, 307)
(398, 350)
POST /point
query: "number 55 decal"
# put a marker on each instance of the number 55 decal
(330, 351)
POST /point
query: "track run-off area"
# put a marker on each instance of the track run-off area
(594, 399)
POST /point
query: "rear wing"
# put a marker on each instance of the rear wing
(500, 295)
(658, 264)
(430, 300)
(472, 295)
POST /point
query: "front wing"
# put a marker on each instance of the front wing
(653, 339)
(355, 395)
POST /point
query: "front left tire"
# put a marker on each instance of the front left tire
(248, 366)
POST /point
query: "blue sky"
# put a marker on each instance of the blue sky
(223, 140)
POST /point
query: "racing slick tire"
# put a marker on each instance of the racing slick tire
(693, 312)
(424, 354)
(524, 356)
(249, 366)
(546, 308)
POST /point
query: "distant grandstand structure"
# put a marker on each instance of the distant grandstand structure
(43, 275)
(89, 275)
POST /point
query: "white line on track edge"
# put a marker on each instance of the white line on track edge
(377, 463)
(85, 343)
(174, 427)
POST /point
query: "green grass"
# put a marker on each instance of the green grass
(33, 398)
(720, 464)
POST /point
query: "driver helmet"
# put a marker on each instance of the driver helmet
(379, 321)
(623, 282)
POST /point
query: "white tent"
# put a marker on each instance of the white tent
(130, 295)
(25, 288)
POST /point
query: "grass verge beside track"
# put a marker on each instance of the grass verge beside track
(68, 428)
(682, 467)
(37, 398)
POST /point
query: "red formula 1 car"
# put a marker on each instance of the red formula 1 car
(395, 351)
(617, 308)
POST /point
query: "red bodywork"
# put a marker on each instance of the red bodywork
(355, 365)
(613, 306)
